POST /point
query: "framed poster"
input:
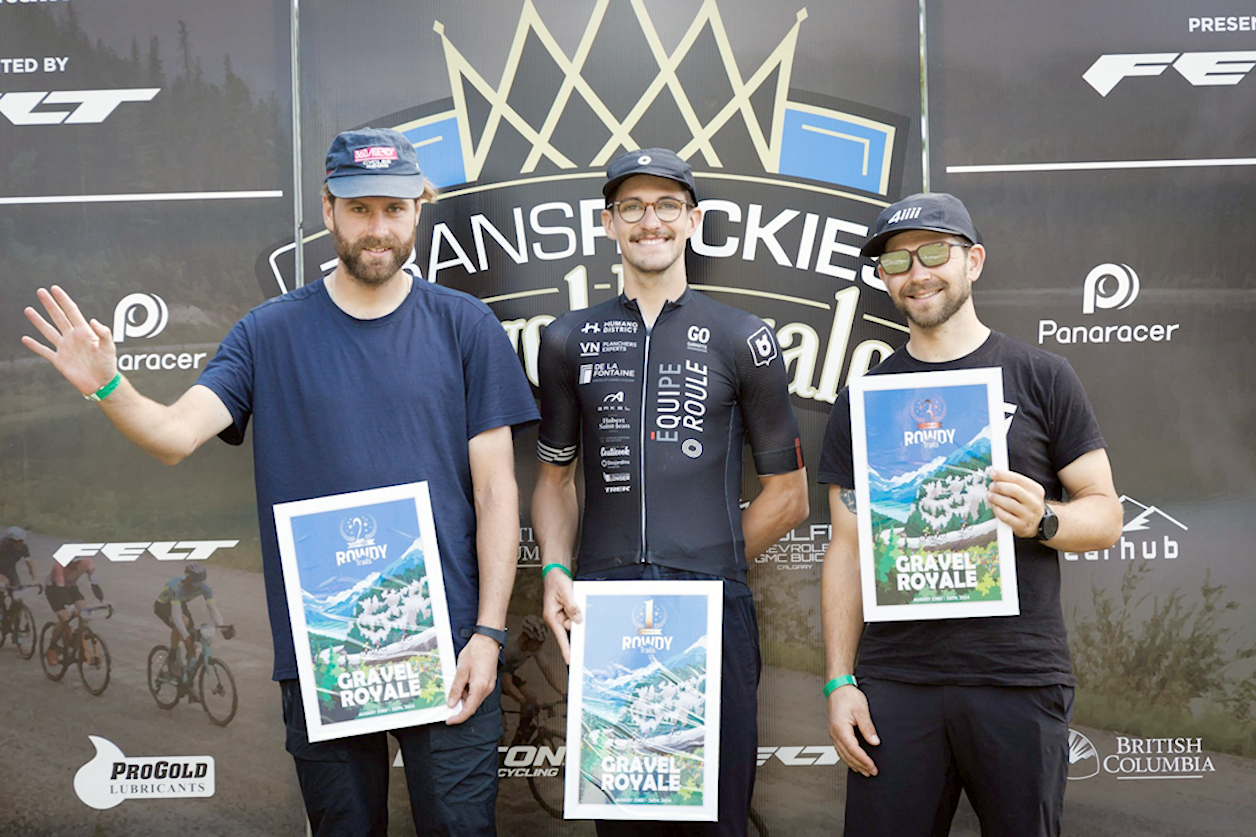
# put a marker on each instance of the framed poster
(643, 712)
(367, 602)
(924, 445)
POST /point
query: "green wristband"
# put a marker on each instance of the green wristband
(549, 567)
(838, 682)
(105, 391)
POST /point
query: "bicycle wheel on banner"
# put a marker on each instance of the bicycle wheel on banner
(757, 821)
(94, 664)
(218, 692)
(548, 789)
(48, 640)
(163, 687)
(24, 636)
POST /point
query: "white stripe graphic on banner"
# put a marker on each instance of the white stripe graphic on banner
(143, 196)
(1102, 165)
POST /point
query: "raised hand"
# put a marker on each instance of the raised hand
(82, 350)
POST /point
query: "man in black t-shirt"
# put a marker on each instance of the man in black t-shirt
(662, 386)
(979, 705)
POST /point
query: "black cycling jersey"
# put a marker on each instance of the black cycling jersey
(662, 414)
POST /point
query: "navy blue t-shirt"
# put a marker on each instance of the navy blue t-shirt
(340, 404)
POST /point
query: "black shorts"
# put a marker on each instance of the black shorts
(59, 598)
(165, 609)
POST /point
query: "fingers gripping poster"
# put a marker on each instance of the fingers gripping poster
(644, 711)
(369, 616)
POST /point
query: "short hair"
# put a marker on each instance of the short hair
(430, 194)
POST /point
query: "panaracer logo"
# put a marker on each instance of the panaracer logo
(146, 315)
(131, 551)
(1201, 69)
(1120, 292)
(1108, 286)
(1148, 534)
(359, 530)
(139, 315)
(1139, 758)
(800, 549)
(818, 755)
(111, 777)
(93, 106)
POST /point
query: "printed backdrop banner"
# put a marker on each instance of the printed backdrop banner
(1103, 148)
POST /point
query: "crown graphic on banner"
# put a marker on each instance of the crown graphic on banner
(540, 129)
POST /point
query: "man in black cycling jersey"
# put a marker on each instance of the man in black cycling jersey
(661, 387)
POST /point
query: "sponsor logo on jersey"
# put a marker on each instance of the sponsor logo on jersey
(762, 346)
(611, 371)
(699, 337)
(111, 777)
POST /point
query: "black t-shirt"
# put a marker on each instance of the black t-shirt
(1052, 424)
(662, 415)
(11, 553)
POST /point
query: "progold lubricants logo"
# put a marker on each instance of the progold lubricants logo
(112, 777)
(789, 180)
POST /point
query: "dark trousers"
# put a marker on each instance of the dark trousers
(739, 711)
(1006, 747)
(451, 773)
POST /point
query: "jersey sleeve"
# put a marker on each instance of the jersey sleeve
(497, 392)
(229, 375)
(558, 439)
(836, 457)
(1074, 430)
(763, 396)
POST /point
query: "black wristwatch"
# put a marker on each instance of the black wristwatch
(498, 635)
(1049, 525)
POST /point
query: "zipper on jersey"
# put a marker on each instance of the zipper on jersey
(645, 395)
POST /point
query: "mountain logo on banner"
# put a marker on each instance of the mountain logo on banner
(111, 777)
(789, 180)
(1147, 534)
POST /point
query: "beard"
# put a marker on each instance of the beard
(373, 273)
(953, 298)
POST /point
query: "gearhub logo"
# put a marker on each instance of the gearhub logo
(111, 778)
(1148, 533)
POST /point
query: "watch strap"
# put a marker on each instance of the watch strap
(498, 635)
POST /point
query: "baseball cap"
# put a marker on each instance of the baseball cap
(656, 161)
(936, 211)
(373, 162)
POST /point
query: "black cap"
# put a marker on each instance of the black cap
(656, 161)
(936, 211)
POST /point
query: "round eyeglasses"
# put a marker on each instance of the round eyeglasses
(632, 210)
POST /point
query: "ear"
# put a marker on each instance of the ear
(328, 221)
(976, 261)
(695, 218)
(608, 223)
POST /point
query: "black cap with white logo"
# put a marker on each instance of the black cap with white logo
(936, 211)
(656, 161)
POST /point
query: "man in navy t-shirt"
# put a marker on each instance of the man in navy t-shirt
(978, 705)
(366, 378)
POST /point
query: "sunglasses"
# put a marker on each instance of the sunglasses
(936, 253)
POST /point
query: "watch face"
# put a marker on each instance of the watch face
(1048, 526)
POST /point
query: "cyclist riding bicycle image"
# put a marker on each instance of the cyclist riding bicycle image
(183, 589)
(14, 551)
(62, 592)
